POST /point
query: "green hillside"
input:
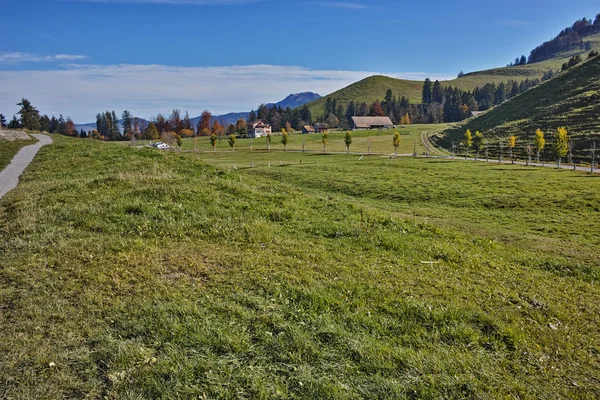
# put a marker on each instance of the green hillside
(571, 100)
(370, 89)
(374, 88)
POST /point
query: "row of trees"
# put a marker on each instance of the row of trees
(30, 118)
(561, 144)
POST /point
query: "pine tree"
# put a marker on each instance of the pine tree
(45, 124)
(62, 125)
(426, 95)
(151, 132)
(115, 133)
(306, 115)
(14, 123)
(437, 95)
(127, 122)
(3, 121)
(30, 116)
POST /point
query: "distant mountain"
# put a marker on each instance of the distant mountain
(296, 100)
(292, 101)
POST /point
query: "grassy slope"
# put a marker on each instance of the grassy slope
(370, 89)
(375, 87)
(142, 274)
(9, 149)
(571, 100)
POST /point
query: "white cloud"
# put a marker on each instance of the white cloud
(81, 91)
(15, 58)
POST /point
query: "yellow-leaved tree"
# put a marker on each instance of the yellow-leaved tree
(540, 143)
(561, 144)
(396, 142)
(512, 142)
(468, 140)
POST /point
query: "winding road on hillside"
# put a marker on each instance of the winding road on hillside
(9, 176)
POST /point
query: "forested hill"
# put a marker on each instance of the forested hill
(571, 100)
(375, 87)
(572, 38)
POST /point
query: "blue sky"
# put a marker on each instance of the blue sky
(78, 57)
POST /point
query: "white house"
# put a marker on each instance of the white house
(258, 129)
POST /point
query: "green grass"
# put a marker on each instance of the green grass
(9, 149)
(571, 100)
(380, 141)
(147, 274)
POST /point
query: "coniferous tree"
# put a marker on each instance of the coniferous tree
(306, 115)
(30, 116)
(62, 125)
(437, 95)
(45, 124)
(3, 121)
(187, 122)
(426, 95)
(252, 116)
(14, 123)
(115, 133)
(127, 123)
(53, 125)
(151, 132)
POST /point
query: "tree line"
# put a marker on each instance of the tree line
(439, 104)
(561, 145)
(30, 118)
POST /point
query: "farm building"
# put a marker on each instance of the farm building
(308, 129)
(371, 123)
(321, 128)
(258, 129)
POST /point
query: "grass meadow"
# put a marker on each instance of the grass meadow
(380, 141)
(132, 273)
(8, 149)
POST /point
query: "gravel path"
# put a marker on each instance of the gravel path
(9, 177)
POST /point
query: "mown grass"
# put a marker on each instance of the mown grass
(379, 141)
(134, 273)
(8, 149)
